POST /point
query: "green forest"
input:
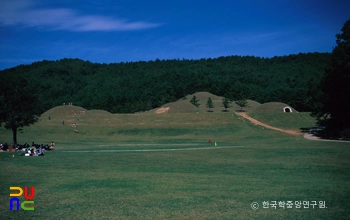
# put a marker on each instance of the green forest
(129, 87)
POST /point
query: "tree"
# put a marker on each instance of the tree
(210, 104)
(241, 101)
(195, 101)
(226, 103)
(19, 105)
(336, 86)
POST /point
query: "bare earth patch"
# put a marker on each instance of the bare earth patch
(162, 110)
(256, 122)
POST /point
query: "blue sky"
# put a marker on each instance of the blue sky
(109, 31)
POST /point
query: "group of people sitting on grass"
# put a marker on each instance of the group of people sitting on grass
(34, 150)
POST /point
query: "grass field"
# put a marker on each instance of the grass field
(149, 166)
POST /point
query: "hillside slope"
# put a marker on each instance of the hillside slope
(141, 86)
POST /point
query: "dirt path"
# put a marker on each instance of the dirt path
(256, 122)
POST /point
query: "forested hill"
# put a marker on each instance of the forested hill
(138, 86)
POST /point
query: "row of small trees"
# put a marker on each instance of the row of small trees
(226, 103)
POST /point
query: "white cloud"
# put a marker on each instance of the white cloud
(26, 14)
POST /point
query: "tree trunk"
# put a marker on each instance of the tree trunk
(14, 132)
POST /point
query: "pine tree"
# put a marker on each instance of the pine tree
(226, 103)
(242, 101)
(210, 104)
(195, 101)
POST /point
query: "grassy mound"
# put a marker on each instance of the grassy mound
(252, 106)
(298, 121)
(99, 112)
(184, 106)
(203, 98)
(183, 121)
(64, 110)
(273, 107)
(181, 107)
(217, 101)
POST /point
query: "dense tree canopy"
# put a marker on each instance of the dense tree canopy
(335, 105)
(139, 86)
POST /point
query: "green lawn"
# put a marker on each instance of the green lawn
(219, 183)
(282, 120)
